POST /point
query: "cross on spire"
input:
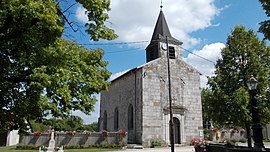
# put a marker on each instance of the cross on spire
(161, 5)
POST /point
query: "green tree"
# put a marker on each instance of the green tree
(244, 55)
(54, 123)
(265, 29)
(207, 106)
(89, 127)
(38, 126)
(265, 25)
(41, 73)
(73, 123)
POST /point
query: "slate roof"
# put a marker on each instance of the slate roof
(161, 27)
(161, 31)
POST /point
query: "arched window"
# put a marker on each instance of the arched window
(105, 120)
(130, 117)
(116, 118)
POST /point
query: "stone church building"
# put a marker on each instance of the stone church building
(138, 101)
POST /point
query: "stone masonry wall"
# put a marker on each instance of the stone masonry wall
(78, 139)
(122, 93)
(146, 88)
(185, 90)
(152, 103)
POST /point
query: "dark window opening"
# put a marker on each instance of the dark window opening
(171, 53)
(151, 54)
(130, 117)
(116, 118)
(105, 120)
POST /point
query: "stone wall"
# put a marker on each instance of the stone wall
(121, 94)
(190, 99)
(154, 99)
(186, 100)
(146, 88)
(77, 139)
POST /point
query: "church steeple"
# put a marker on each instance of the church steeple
(161, 28)
(160, 33)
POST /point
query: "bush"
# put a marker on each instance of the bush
(225, 140)
(198, 142)
(72, 147)
(28, 147)
(234, 140)
(243, 140)
(266, 140)
(155, 143)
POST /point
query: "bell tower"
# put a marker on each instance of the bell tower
(161, 36)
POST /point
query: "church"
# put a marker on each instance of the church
(138, 101)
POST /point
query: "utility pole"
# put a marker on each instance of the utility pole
(170, 98)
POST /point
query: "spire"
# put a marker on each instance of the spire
(161, 34)
(161, 27)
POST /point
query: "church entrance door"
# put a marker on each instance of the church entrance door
(176, 129)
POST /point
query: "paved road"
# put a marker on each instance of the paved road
(177, 149)
(165, 149)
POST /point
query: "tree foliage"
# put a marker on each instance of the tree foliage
(97, 29)
(227, 99)
(41, 73)
(74, 123)
(265, 25)
(265, 29)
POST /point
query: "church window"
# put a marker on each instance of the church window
(105, 120)
(171, 52)
(130, 117)
(116, 118)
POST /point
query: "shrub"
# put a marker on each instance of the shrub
(28, 147)
(266, 140)
(243, 140)
(72, 147)
(122, 133)
(198, 142)
(37, 133)
(104, 133)
(234, 140)
(155, 143)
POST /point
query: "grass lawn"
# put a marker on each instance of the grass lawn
(12, 149)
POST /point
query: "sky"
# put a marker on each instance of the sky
(202, 25)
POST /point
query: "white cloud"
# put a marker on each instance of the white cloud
(81, 15)
(207, 68)
(93, 117)
(135, 20)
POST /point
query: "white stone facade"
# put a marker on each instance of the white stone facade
(138, 101)
(146, 89)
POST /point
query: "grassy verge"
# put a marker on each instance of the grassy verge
(13, 149)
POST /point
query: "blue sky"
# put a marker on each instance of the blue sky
(202, 26)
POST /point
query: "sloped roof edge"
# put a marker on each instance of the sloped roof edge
(134, 69)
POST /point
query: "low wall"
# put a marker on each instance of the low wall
(77, 139)
(219, 136)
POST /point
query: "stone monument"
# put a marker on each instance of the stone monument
(51, 143)
(51, 147)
